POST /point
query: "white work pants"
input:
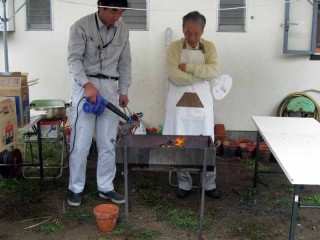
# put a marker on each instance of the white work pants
(185, 180)
(83, 127)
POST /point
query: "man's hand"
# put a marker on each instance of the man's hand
(182, 67)
(90, 92)
(123, 100)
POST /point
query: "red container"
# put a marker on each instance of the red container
(243, 140)
(247, 150)
(264, 152)
(230, 148)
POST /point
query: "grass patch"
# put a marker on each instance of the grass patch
(51, 155)
(19, 186)
(250, 164)
(316, 225)
(183, 219)
(100, 238)
(179, 217)
(53, 227)
(249, 232)
(79, 215)
(252, 192)
(282, 201)
(313, 200)
(28, 187)
(118, 231)
(144, 234)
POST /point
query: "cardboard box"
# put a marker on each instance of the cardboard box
(50, 129)
(15, 85)
(8, 123)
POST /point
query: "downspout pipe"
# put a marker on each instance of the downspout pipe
(5, 40)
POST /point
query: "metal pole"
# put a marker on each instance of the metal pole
(40, 155)
(204, 174)
(256, 161)
(5, 41)
(295, 208)
(126, 191)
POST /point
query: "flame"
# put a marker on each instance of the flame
(180, 141)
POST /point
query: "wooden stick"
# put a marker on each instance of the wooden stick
(35, 225)
(31, 219)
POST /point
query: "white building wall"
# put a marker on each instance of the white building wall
(262, 75)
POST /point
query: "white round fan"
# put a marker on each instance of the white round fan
(221, 86)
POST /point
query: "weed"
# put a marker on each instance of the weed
(21, 190)
(256, 233)
(250, 164)
(79, 215)
(282, 201)
(143, 234)
(150, 194)
(183, 220)
(51, 155)
(9, 184)
(53, 227)
(251, 232)
(313, 200)
(118, 231)
(218, 212)
(120, 227)
(99, 238)
(291, 189)
(252, 192)
(178, 218)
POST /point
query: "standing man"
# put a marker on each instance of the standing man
(100, 61)
(191, 63)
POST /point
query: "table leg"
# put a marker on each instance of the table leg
(204, 173)
(40, 148)
(126, 193)
(295, 207)
(256, 161)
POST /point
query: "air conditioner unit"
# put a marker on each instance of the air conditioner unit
(9, 13)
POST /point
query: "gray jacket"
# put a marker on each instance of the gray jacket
(93, 49)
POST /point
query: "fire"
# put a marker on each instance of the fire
(179, 142)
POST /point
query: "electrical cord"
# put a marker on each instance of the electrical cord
(282, 110)
(75, 126)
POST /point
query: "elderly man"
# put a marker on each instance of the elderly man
(191, 63)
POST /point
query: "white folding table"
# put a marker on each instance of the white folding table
(295, 143)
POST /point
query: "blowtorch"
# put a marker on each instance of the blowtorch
(98, 108)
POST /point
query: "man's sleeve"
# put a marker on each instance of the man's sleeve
(210, 68)
(175, 75)
(76, 49)
(124, 67)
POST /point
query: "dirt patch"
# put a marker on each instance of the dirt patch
(241, 213)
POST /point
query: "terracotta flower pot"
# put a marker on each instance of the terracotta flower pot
(264, 152)
(243, 140)
(219, 132)
(219, 135)
(106, 216)
(247, 149)
(230, 148)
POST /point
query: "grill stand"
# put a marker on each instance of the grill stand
(202, 167)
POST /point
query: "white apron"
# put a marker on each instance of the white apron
(190, 120)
